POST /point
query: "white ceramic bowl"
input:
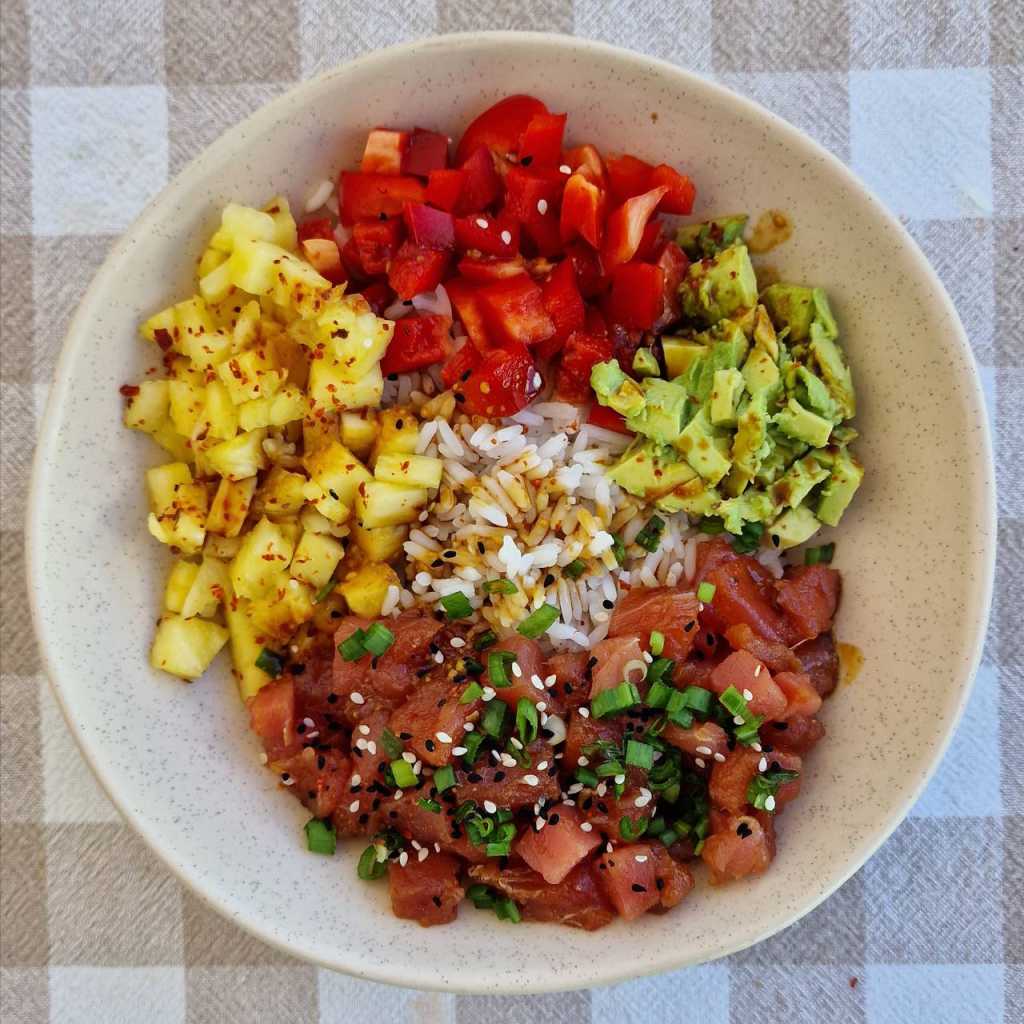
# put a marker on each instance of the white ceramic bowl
(916, 549)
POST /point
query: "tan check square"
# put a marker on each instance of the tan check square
(909, 34)
(15, 168)
(283, 995)
(21, 777)
(1009, 291)
(1006, 31)
(14, 54)
(18, 653)
(23, 929)
(24, 995)
(213, 941)
(1008, 138)
(527, 15)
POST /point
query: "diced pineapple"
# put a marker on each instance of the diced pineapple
(336, 470)
(188, 319)
(353, 334)
(358, 431)
(224, 548)
(208, 591)
(265, 551)
(398, 431)
(179, 582)
(209, 349)
(290, 357)
(162, 484)
(315, 559)
(182, 524)
(173, 443)
(210, 260)
(216, 284)
(246, 646)
(246, 331)
(263, 268)
(185, 647)
(160, 328)
(332, 387)
(334, 509)
(240, 224)
(230, 506)
(410, 470)
(148, 410)
(366, 588)
(286, 606)
(288, 405)
(251, 374)
(221, 413)
(241, 457)
(383, 504)
(186, 404)
(281, 493)
(286, 233)
(380, 543)
(316, 522)
(182, 368)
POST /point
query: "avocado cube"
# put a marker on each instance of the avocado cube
(802, 424)
(725, 348)
(726, 392)
(680, 353)
(764, 332)
(823, 314)
(828, 357)
(614, 389)
(751, 507)
(648, 470)
(708, 237)
(695, 498)
(761, 373)
(846, 476)
(811, 391)
(793, 527)
(797, 482)
(645, 363)
(750, 444)
(663, 412)
(697, 443)
(716, 288)
(792, 306)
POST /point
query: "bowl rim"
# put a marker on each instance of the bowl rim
(390, 972)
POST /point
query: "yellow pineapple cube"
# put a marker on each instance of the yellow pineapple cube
(315, 559)
(230, 506)
(333, 389)
(266, 549)
(185, 647)
(383, 504)
(179, 582)
(221, 414)
(240, 457)
(358, 431)
(186, 405)
(251, 374)
(336, 470)
(410, 470)
(379, 543)
(365, 589)
(209, 590)
(286, 606)
(281, 493)
(398, 432)
(286, 233)
(246, 645)
(148, 410)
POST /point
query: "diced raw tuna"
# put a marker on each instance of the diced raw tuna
(797, 736)
(427, 827)
(530, 662)
(819, 659)
(744, 846)
(802, 699)
(670, 611)
(606, 813)
(559, 846)
(673, 880)
(744, 672)
(426, 891)
(320, 779)
(809, 596)
(434, 718)
(511, 787)
(778, 657)
(613, 657)
(629, 878)
(702, 739)
(272, 718)
(571, 687)
(731, 778)
(582, 732)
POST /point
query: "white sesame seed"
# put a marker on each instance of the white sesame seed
(457, 641)
(542, 766)
(586, 826)
(469, 727)
(490, 806)
(699, 761)
(756, 746)
(417, 768)
(602, 788)
(648, 657)
(496, 755)
(422, 855)
(769, 803)
(356, 697)
(720, 758)
(354, 806)
(365, 730)
(620, 779)
(403, 858)
(539, 824)
(531, 780)
(458, 751)
(506, 237)
(443, 737)
(737, 719)
(488, 693)
(757, 672)
(309, 723)
(408, 756)
(355, 780)
(287, 782)
(542, 206)
(538, 683)
(361, 744)
(641, 858)
(762, 765)
(642, 800)
(263, 758)
(747, 695)
(576, 787)
(516, 670)
(515, 743)
(704, 750)
(508, 761)
(437, 847)
(565, 169)
(399, 794)
(481, 223)
(550, 681)
(584, 712)
(371, 748)
(439, 658)
(608, 847)
(582, 761)
(312, 734)
(541, 706)
(415, 845)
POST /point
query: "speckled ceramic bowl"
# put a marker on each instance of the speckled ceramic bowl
(916, 549)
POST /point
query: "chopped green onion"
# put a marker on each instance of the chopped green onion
(488, 638)
(539, 622)
(657, 642)
(733, 701)
(496, 662)
(640, 755)
(587, 777)
(711, 526)
(659, 694)
(660, 668)
(369, 867)
(457, 605)
(429, 805)
(767, 785)
(706, 592)
(749, 538)
(472, 667)
(481, 897)
(500, 587)
(678, 713)
(506, 910)
(527, 722)
(378, 639)
(320, 837)
(402, 773)
(444, 778)
(609, 702)
(824, 554)
(325, 591)
(699, 699)
(649, 538)
(669, 836)
(747, 734)
(270, 662)
(656, 826)
(630, 830)
(353, 647)
(610, 769)
(575, 569)
(472, 742)
(494, 718)
(392, 745)
(498, 849)
(618, 549)
(471, 693)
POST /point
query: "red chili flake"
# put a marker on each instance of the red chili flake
(129, 390)
(163, 338)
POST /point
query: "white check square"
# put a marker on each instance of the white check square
(938, 994)
(665, 997)
(84, 995)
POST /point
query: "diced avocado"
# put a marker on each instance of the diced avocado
(648, 469)
(802, 424)
(614, 389)
(750, 507)
(843, 482)
(725, 347)
(716, 288)
(645, 363)
(663, 413)
(697, 443)
(834, 371)
(725, 397)
(811, 391)
(844, 434)
(793, 527)
(750, 444)
(695, 498)
(823, 314)
(761, 373)
(710, 236)
(792, 306)
(745, 318)
(764, 332)
(783, 451)
(797, 482)
(680, 354)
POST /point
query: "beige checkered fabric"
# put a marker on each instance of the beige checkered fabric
(103, 101)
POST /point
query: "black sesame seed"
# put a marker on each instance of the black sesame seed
(363, 818)
(743, 830)
(588, 803)
(567, 687)
(499, 776)
(285, 776)
(437, 563)
(698, 655)
(321, 762)
(711, 639)
(660, 883)
(602, 806)
(526, 161)
(441, 703)
(553, 820)
(436, 900)
(450, 553)
(405, 735)
(465, 376)
(459, 396)
(300, 728)
(608, 604)
(375, 806)
(392, 376)
(474, 777)
(297, 670)
(480, 547)
(548, 580)
(335, 614)
(332, 698)
(637, 887)
(781, 726)
(591, 662)
(310, 794)
(689, 625)
(399, 424)
(392, 814)
(429, 744)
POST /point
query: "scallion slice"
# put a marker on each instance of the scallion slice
(369, 867)
(270, 662)
(320, 837)
(824, 555)
(444, 778)
(500, 587)
(711, 526)
(767, 785)
(587, 777)
(456, 605)
(353, 647)
(677, 711)
(497, 663)
(706, 592)
(733, 701)
(378, 639)
(488, 638)
(575, 569)
(609, 702)
(700, 700)
(657, 642)
(659, 694)
(630, 829)
(539, 622)
(429, 805)
(481, 897)
(749, 538)
(499, 849)
(472, 742)
(609, 769)
(660, 668)
(471, 693)
(324, 592)
(402, 773)
(527, 722)
(618, 549)
(506, 910)
(494, 719)
(392, 745)
(649, 538)
(640, 755)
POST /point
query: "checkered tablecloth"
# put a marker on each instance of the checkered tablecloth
(103, 101)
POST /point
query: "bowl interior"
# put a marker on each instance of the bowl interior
(916, 549)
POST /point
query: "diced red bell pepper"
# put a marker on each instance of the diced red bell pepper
(384, 152)
(628, 176)
(584, 206)
(514, 311)
(581, 352)
(590, 275)
(377, 241)
(427, 151)
(317, 227)
(378, 294)
(650, 242)
(609, 419)
(465, 299)
(681, 191)
(417, 341)
(674, 265)
(500, 127)
(481, 185)
(485, 269)
(587, 161)
(625, 228)
(503, 382)
(635, 299)
(541, 143)
(415, 269)
(460, 366)
(351, 259)
(487, 234)
(429, 228)
(444, 188)
(533, 195)
(325, 258)
(564, 304)
(364, 196)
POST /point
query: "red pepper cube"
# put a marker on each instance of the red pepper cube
(674, 264)
(681, 191)
(500, 127)
(625, 228)
(587, 161)
(533, 196)
(628, 176)
(635, 299)
(429, 228)
(650, 242)
(325, 257)
(376, 242)
(584, 207)
(492, 236)
(415, 270)
(364, 196)
(590, 276)
(444, 188)
(581, 352)
(541, 143)
(417, 341)
(465, 299)
(427, 151)
(378, 294)
(514, 311)
(351, 259)
(384, 151)
(485, 269)
(316, 227)
(502, 383)
(459, 367)
(607, 419)
(564, 305)
(481, 185)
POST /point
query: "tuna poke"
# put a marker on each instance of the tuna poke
(502, 479)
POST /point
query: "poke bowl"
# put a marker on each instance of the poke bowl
(567, 495)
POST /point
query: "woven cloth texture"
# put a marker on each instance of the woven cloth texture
(104, 101)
